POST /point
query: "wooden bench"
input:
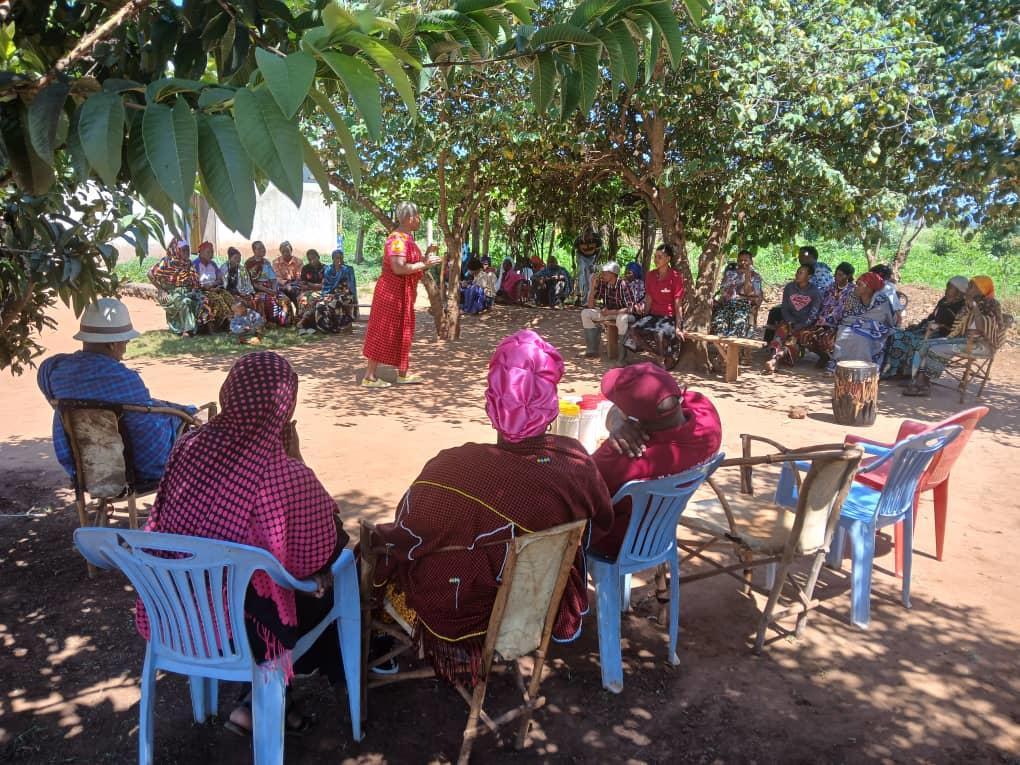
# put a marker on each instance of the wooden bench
(729, 349)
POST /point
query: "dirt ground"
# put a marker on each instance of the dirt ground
(937, 683)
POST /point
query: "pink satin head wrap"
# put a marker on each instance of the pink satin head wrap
(521, 398)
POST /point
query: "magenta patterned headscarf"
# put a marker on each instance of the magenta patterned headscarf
(521, 398)
(232, 480)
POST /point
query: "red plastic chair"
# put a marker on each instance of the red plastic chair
(934, 479)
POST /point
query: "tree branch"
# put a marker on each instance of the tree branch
(85, 44)
(366, 203)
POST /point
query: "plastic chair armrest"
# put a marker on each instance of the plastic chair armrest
(911, 428)
(284, 578)
(874, 449)
(852, 438)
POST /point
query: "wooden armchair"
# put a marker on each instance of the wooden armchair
(523, 615)
(973, 363)
(103, 460)
(762, 532)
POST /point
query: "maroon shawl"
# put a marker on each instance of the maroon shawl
(473, 496)
(232, 480)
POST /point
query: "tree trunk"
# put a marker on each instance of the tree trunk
(476, 246)
(552, 241)
(359, 247)
(614, 242)
(486, 231)
(911, 230)
(698, 302)
(647, 237)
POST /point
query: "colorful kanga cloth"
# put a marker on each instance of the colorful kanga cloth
(666, 452)
(391, 323)
(232, 480)
(862, 337)
(480, 496)
(287, 270)
(93, 376)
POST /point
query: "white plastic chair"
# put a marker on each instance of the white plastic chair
(195, 604)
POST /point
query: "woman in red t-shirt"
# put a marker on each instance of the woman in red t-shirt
(660, 330)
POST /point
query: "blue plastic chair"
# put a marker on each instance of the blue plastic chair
(866, 510)
(656, 505)
(189, 620)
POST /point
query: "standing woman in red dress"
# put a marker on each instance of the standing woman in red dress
(391, 322)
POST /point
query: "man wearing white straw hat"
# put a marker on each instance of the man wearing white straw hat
(96, 373)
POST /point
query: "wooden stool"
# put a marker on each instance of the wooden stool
(729, 348)
(612, 340)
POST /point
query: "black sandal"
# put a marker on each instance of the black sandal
(305, 722)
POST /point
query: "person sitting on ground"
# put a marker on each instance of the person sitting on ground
(339, 272)
(861, 336)
(508, 283)
(798, 311)
(821, 280)
(310, 284)
(235, 278)
(660, 328)
(740, 294)
(616, 305)
(178, 294)
(288, 272)
(904, 343)
(241, 478)
(551, 285)
(820, 338)
(674, 430)
(275, 307)
(473, 299)
(312, 271)
(210, 277)
(980, 323)
(97, 373)
(486, 279)
(246, 324)
(895, 298)
(445, 549)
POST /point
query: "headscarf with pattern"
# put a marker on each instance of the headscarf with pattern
(175, 268)
(521, 398)
(233, 480)
(985, 284)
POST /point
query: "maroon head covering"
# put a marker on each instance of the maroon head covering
(638, 390)
(872, 281)
(232, 480)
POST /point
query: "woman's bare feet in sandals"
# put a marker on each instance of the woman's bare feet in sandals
(240, 721)
(769, 368)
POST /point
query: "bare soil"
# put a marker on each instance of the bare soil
(936, 683)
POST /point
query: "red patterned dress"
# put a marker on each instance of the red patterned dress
(391, 323)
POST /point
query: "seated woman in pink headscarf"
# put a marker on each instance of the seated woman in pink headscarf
(477, 497)
(240, 478)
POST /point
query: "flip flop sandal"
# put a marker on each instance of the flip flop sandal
(917, 390)
(409, 380)
(305, 724)
(377, 383)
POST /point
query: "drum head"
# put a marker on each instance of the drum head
(857, 365)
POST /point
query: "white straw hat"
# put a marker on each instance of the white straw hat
(106, 321)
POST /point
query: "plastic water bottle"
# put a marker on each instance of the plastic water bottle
(569, 419)
(588, 432)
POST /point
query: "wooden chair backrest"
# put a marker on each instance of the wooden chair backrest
(101, 464)
(821, 498)
(528, 601)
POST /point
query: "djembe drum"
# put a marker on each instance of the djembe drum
(855, 393)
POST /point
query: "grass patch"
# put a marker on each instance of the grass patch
(163, 344)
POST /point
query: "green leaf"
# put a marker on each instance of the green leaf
(588, 60)
(142, 178)
(335, 17)
(629, 61)
(160, 90)
(288, 78)
(30, 172)
(215, 96)
(389, 64)
(360, 81)
(590, 10)
(521, 10)
(663, 18)
(43, 117)
(101, 128)
(226, 172)
(543, 81)
(343, 134)
(488, 23)
(117, 85)
(271, 140)
(697, 9)
(615, 54)
(171, 146)
(563, 33)
(570, 94)
(314, 164)
(471, 6)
